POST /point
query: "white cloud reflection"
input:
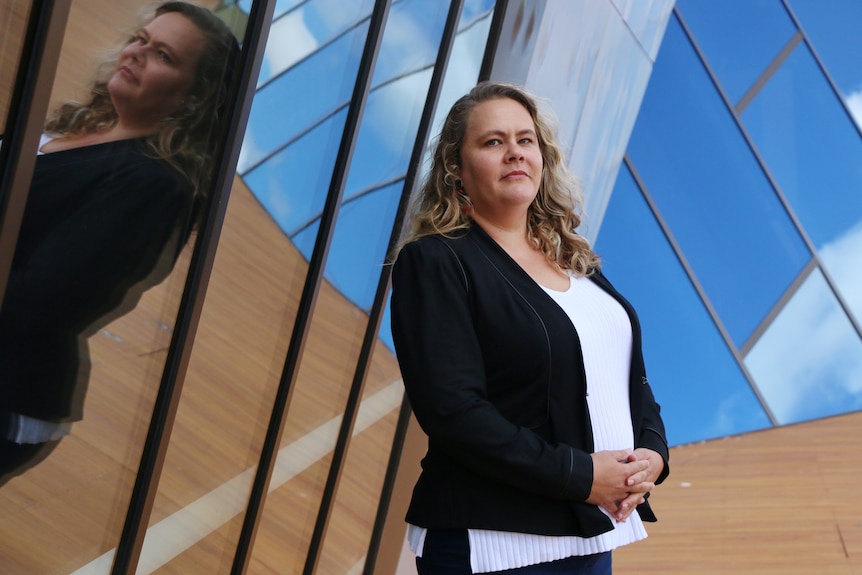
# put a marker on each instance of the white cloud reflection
(854, 102)
(289, 41)
(808, 362)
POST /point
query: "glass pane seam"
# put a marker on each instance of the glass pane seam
(764, 77)
(779, 306)
(352, 198)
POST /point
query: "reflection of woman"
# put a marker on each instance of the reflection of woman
(522, 364)
(115, 193)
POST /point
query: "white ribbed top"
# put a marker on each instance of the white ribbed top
(605, 334)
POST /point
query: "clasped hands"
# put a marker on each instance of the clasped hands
(622, 478)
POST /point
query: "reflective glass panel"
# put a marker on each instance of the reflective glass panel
(98, 273)
(229, 389)
(739, 38)
(815, 154)
(411, 40)
(711, 191)
(358, 497)
(695, 378)
(13, 24)
(329, 361)
(807, 364)
(292, 185)
(833, 28)
(365, 225)
(299, 32)
(298, 101)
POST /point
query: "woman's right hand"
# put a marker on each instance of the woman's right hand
(610, 489)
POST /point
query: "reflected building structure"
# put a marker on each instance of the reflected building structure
(720, 158)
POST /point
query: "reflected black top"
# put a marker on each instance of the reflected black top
(102, 224)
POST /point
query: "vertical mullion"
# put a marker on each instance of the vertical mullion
(493, 39)
(228, 134)
(26, 115)
(311, 288)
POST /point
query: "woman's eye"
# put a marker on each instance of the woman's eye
(163, 56)
(526, 141)
(493, 142)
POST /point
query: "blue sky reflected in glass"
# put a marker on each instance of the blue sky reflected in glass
(410, 40)
(710, 189)
(810, 146)
(461, 74)
(292, 185)
(388, 131)
(296, 100)
(739, 38)
(698, 383)
(814, 152)
(298, 33)
(360, 240)
(808, 362)
(834, 29)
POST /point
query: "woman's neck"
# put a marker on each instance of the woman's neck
(510, 234)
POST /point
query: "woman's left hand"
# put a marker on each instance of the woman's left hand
(639, 483)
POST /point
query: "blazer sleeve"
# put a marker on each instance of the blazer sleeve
(441, 362)
(652, 434)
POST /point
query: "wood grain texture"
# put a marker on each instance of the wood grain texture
(776, 502)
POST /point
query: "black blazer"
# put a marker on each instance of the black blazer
(102, 224)
(494, 373)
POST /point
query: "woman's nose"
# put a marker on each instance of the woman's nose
(514, 154)
(134, 50)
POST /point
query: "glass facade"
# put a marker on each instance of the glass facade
(246, 416)
(748, 159)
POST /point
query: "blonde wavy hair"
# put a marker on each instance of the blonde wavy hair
(439, 207)
(186, 139)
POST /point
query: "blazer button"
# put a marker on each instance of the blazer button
(644, 380)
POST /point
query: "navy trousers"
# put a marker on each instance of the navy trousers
(447, 552)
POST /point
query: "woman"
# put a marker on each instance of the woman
(521, 362)
(116, 190)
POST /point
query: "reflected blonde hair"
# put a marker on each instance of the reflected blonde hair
(186, 139)
(439, 207)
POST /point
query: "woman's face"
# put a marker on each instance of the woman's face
(156, 70)
(501, 162)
